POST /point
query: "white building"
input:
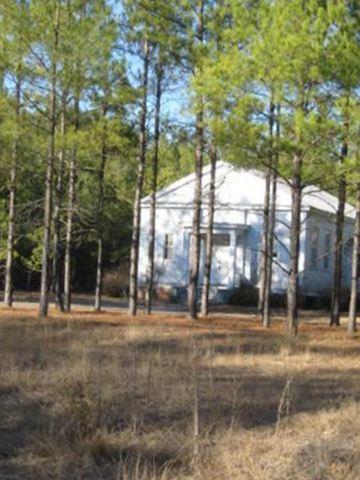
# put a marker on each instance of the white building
(237, 235)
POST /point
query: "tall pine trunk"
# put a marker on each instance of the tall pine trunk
(154, 182)
(272, 217)
(295, 230)
(100, 233)
(135, 240)
(8, 290)
(338, 247)
(196, 224)
(58, 247)
(71, 210)
(209, 233)
(265, 242)
(269, 273)
(355, 268)
(266, 217)
(46, 247)
(339, 234)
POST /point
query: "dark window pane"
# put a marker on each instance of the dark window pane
(240, 239)
(221, 239)
(327, 248)
(168, 246)
(314, 252)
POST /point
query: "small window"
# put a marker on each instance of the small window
(327, 248)
(240, 239)
(348, 246)
(169, 246)
(221, 240)
(314, 240)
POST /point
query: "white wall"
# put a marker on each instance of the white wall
(168, 221)
(178, 221)
(239, 201)
(317, 278)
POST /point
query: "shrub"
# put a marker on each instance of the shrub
(116, 282)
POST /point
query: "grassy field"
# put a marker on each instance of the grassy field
(90, 396)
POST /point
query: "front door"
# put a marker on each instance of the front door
(220, 265)
(221, 261)
(240, 258)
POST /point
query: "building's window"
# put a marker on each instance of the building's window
(240, 239)
(314, 250)
(254, 266)
(348, 246)
(221, 240)
(327, 248)
(169, 246)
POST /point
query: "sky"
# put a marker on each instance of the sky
(175, 102)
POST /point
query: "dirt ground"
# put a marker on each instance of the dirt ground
(104, 396)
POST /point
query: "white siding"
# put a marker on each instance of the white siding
(239, 203)
(318, 278)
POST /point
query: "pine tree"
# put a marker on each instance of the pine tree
(154, 181)
(134, 258)
(59, 191)
(108, 81)
(100, 234)
(94, 33)
(8, 289)
(209, 231)
(71, 198)
(14, 65)
(355, 273)
(343, 72)
(272, 227)
(195, 239)
(155, 25)
(45, 263)
(299, 57)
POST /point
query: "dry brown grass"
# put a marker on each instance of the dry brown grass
(103, 396)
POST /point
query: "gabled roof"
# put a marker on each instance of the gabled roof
(221, 169)
(239, 187)
(318, 199)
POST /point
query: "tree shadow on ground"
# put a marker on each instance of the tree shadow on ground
(146, 385)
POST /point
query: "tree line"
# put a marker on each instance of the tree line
(91, 121)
